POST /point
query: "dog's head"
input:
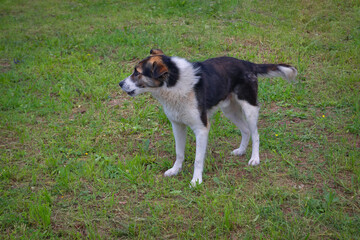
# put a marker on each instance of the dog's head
(152, 72)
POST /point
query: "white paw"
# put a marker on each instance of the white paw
(254, 161)
(172, 172)
(238, 152)
(195, 182)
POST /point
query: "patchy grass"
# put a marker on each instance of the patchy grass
(80, 159)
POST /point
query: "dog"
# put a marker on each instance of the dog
(191, 92)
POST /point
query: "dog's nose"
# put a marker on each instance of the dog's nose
(121, 84)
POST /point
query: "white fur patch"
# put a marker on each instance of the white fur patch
(252, 114)
(131, 88)
(289, 72)
(187, 76)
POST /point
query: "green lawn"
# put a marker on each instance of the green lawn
(80, 159)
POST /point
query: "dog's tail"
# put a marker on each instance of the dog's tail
(276, 70)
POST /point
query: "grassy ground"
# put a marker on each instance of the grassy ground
(80, 159)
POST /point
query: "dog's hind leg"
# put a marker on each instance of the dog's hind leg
(179, 131)
(234, 113)
(252, 114)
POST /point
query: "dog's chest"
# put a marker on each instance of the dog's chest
(182, 109)
(183, 112)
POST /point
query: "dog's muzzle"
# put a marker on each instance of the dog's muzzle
(130, 93)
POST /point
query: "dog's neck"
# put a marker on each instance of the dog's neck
(184, 85)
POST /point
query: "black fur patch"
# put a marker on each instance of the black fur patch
(172, 70)
(221, 76)
(200, 95)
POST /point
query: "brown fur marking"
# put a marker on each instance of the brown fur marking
(154, 52)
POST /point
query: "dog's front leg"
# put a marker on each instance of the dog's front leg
(179, 131)
(201, 143)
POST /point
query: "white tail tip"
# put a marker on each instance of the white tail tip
(288, 72)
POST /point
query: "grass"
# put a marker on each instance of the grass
(80, 159)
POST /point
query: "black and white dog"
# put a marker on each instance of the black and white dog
(190, 93)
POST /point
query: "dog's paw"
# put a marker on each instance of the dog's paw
(172, 172)
(254, 161)
(194, 182)
(238, 152)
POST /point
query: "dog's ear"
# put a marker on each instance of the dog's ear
(159, 70)
(154, 52)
